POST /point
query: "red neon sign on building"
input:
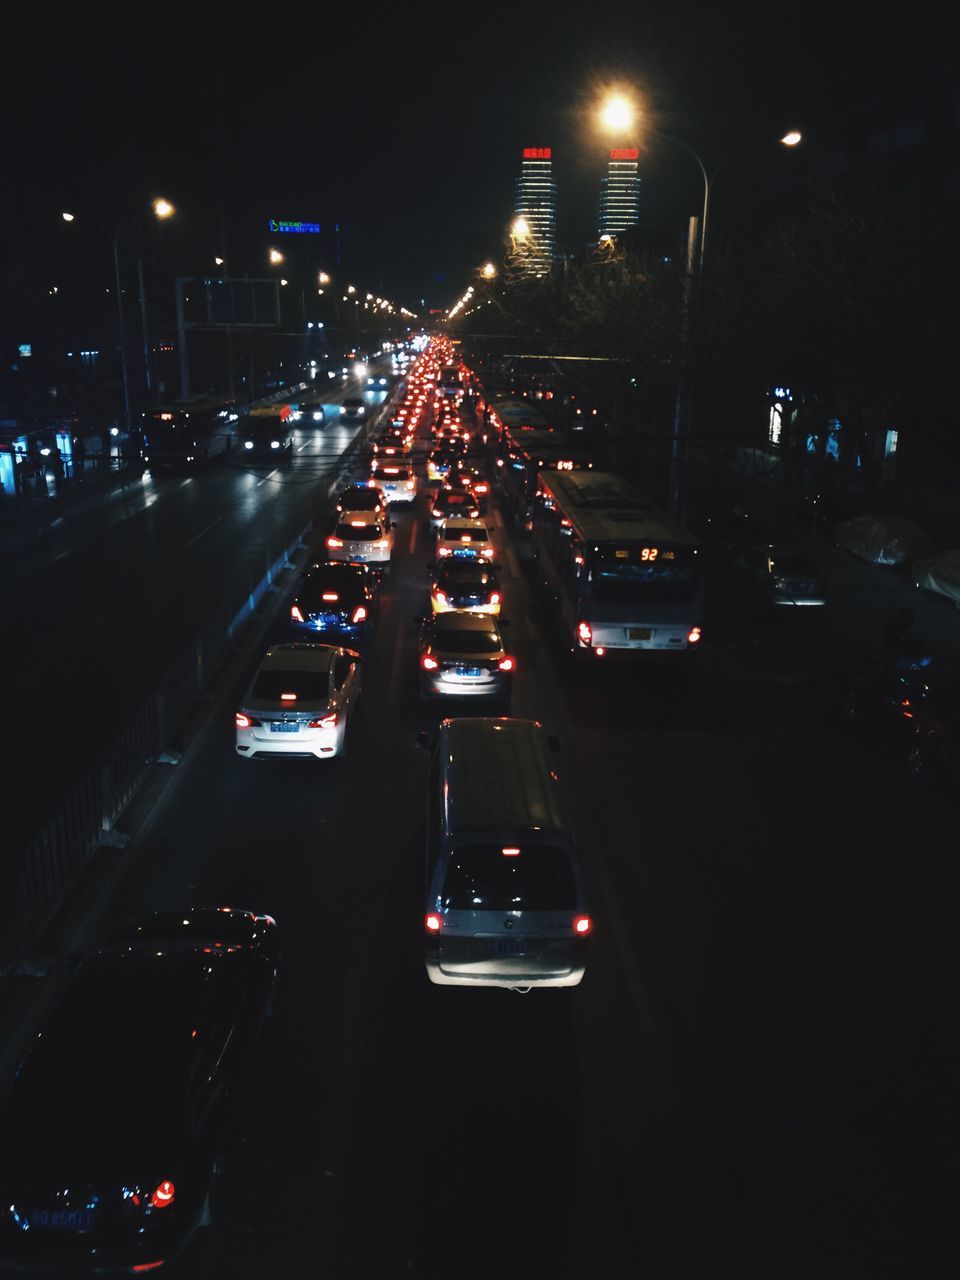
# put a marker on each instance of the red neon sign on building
(625, 153)
(536, 153)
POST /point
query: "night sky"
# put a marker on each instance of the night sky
(407, 130)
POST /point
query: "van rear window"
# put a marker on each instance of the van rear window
(537, 878)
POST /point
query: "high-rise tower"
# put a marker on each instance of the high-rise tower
(620, 192)
(535, 243)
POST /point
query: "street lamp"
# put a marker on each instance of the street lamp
(276, 257)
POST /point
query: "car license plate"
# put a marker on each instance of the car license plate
(469, 671)
(639, 633)
(279, 727)
(61, 1219)
(464, 551)
(514, 946)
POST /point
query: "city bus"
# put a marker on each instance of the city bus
(625, 580)
(188, 432)
(524, 454)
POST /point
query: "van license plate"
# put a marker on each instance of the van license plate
(514, 946)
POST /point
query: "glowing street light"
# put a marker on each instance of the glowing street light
(323, 278)
(276, 257)
(488, 271)
(617, 113)
(163, 208)
(520, 228)
(792, 138)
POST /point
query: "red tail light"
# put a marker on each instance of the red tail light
(243, 721)
(334, 542)
(324, 722)
(694, 635)
(428, 663)
(163, 1195)
(494, 597)
(433, 923)
(584, 633)
(330, 595)
(582, 925)
(360, 614)
(444, 551)
(441, 598)
(295, 613)
(487, 553)
(505, 664)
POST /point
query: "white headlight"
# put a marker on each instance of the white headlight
(248, 444)
(274, 444)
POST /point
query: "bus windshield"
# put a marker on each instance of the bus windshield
(648, 575)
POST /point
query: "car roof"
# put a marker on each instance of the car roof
(300, 657)
(346, 515)
(462, 522)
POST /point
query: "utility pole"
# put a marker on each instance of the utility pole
(681, 413)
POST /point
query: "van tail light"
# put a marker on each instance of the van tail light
(359, 614)
(582, 925)
(585, 634)
(334, 542)
(433, 923)
(295, 613)
(163, 1194)
(693, 636)
(428, 663)
(243, 721)
(505, 664)
(494, 597)
(324, 722)
(441, 597)
(330, 595)
(383, 543)
(444, 551)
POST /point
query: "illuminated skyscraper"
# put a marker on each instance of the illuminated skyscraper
(620, 192)
(536, 204)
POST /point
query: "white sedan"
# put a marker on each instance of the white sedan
(363, 537)
(299, 703)
(461, 538)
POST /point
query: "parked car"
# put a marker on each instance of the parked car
(939, 573)
(883, 539)
(786, 575)
(299, 703)
(112, 1134)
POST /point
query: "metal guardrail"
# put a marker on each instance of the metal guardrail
(51, 864)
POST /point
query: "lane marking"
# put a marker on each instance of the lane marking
(265, 478)
(184, 483)
(413, 537)
(210, 526)
(513, 563)
(304, 446)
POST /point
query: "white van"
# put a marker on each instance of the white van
(506, 902)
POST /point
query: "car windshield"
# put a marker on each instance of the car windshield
(465, 575)
(328, 595)
(531, 877)
(452, 641)
(357, 531)
(365, 499)
(307, 686)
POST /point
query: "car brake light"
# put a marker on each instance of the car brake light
(360, 614)
(163, 1195)
(494, 597)
(383, 543)
(330, 595)
(444, 551)
(693, 636)
(584, 633)
(487, 553)
(324, 722)
(428, 663)
(334, 542)
(433, 923)
(441, 597)
(511, 851)
(582, 925)
(505, 664)
(288, 697)
(295, 613)
(243, 721)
